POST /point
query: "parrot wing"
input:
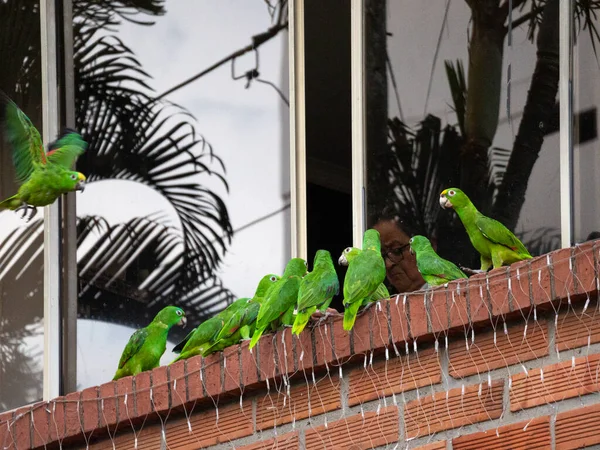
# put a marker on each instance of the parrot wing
(23, 137)
(364, 275)
(66, 149)
(134, 345)
(499, 234)
(433, 265)
(316, 288)
(278, 300)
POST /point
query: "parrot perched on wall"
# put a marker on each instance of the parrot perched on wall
(242, 323)
(204, 334)
(282, 296)
(434, 269)
(42, 177)
(147, 345)
(316, 290)
(366, 271)
(496, 244)
(380, 293)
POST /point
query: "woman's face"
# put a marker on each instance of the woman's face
(401, 268)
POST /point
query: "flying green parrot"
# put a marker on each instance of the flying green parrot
(242, 323)
(316, 290)
(380, 293)
(434, 269)
(42, 177)
(147, 345)
(280, 297)
(204, 334)
(366, 271)
(496, 244)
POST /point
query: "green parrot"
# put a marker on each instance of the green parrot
(147, 345)
(380, 293)
(434, 269)
(496, 244)
(242, 323)
(42, 177)
(204, 334)
(366, 271)
(316, 290)
(280, 297)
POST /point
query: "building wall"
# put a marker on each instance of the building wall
(509, 359)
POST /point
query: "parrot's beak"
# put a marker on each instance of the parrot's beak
(342, 261)
(444, 202)
(182, 323)
(80, 186)
(412, 252)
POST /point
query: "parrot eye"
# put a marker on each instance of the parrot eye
(451, 193)
(73, 177)
(179, 312)
(411, 241)
(273, 278)
(306, 264)
(348, 250)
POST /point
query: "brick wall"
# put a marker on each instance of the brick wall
(509, 359)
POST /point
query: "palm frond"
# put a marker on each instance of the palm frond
(458, 90)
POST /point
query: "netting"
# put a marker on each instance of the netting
(311, 392)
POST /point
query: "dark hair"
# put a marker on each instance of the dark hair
(593, 235)
(403, 221)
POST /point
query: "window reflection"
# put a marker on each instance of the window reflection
(586, 164)
(452, 102)
(21, 257)
(188, 196)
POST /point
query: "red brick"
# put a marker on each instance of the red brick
(211, 372)
(497, 284)
(266, 357)
(39, 423)
(435, 413)
(361, 332)
(438, 310)
(6, 434)
(124, 388)
(577, 428)
(356, 432)
(564, 282)
(341, 340)
(399, 319)
(575, 328)
(285, 351)
(418, 315)
(439, 445)
(585, 267)
(479, 308)
(57, 419)
(72, 417)
(519, 282)
(533, 434)
(288, 441)
(560, 381)
(512, 348)
(177, 381)
(304, 400)
(541, 280)
(379, 325)
(143, 405)
(232, 424)
(160, 389)
(231, 369)
(457, 303)
(249, 367)
(22, 428)
(304, 351)
(89, 402)
(193, 374)
(393, 376)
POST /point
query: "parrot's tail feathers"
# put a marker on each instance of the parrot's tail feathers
(300, 322)
(10, 203)
(350, 315)
(255, 337)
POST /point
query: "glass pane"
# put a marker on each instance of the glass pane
(21, 243)
(586, 96)
(328, 131)
(172, 180)
(452, 102)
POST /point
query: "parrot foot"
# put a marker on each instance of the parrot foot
(470, 272)
(25, 207)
